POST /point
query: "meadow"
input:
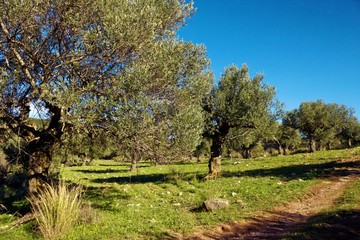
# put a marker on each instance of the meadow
(160, 202)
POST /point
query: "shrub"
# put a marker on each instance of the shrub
(57, 209)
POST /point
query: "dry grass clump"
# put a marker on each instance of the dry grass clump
(57, 209)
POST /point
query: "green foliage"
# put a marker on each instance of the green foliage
(321, 123)
(203, 148)
(350, 133)
(101, 67)
(239, 100)
(57, 209)
(287, 137)
(238, 103)
(162, 119)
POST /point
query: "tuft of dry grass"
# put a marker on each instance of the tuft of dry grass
(57, 209)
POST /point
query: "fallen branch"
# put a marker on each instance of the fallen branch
(24, 219)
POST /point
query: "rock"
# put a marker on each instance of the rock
(215, 204)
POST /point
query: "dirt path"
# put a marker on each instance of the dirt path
(281, 221)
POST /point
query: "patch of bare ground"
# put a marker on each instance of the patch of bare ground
(281, 221)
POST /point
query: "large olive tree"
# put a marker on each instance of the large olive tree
(237, 101)
(77, 61)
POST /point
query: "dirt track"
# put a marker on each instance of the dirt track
(282, 220)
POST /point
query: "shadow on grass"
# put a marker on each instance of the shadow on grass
(104, 197)
(109, 170)
(342, 225)
(127, 165)
(153, 178)
(287, 173)
(303, 171)
(146, 178)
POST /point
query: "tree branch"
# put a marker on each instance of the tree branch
(17, 55)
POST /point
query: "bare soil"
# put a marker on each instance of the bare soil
(283, 220)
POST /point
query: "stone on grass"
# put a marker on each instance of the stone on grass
(215, 204)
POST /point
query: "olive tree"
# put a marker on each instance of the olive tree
(237, 101)
(77, 61)
(350, 132)
(320, 122)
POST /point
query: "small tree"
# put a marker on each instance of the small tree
(236, 102)
(287, 136)
(350, 132)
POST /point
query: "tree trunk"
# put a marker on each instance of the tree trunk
(38, 169)
(350, 143)
(280, 150)
(319, 146)
(328, 146)
(216, 149)
(215, 156)
(133, 167)
(285, 151)
(247, 153)
(312, 145)
(198, 159)
(215, 166)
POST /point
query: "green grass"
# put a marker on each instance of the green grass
(159, 201)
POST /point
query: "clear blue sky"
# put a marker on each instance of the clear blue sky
(307, 49)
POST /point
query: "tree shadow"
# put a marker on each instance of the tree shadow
(341, 225)
(109, 170)
(104, 197)
(303, 171)
(145, 178)
(286, 173)
(141, 165)
(157, 178)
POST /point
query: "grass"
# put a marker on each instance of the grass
(160, 201)
(57, 209)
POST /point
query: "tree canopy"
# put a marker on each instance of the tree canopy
(237, 101)
(320, 122)
(85, 63)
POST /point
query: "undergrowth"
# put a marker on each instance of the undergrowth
(56, 209)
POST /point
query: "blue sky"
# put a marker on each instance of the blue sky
(307, 49)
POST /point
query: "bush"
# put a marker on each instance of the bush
(57, 209)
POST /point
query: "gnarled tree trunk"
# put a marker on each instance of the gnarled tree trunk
(38, 170)
(39, 152)
(215, 156)
(38, 162)
(216, 149)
